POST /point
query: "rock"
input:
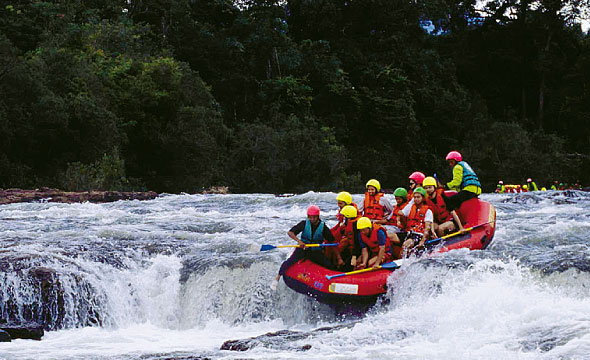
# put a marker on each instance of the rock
(283, 339)
(9, 196)
(217, 190)
(24, 331)
(4, 336)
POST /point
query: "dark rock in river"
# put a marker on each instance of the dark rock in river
(4, 336)
(55, 195)
(23, 331)
(280, 339)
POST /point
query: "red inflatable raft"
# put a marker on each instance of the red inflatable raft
(309, 278)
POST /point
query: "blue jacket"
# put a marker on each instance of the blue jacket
(469, 176)
(317, 237)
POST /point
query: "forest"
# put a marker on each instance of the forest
(290, 96)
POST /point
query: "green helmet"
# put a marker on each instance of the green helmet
(420, 190)
(401, 192)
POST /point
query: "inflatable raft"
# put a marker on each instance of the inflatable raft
(310, 279)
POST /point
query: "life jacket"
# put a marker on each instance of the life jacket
(317, 237)
(372, 241)
(439, 208)
(416, 218)
(372, 208)
(469, 177)
(347, 239)
(410, 194)
(395, 215)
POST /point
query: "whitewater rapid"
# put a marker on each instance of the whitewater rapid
(175, 277)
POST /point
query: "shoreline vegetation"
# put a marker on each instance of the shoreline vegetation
(10, 196)
(286, 96)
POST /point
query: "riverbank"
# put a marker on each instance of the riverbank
(10, 196)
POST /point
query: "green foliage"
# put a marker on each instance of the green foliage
(107, 173)
(289, 96)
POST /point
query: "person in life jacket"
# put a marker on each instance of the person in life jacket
(465, 181)
(313, 231)
(375, 206)
(416, 179)
(342, 199)
(554, 185)
(394, 224)
(348, 251)
(500, 188)
(532, 186)
(525, 188)
(374, 242)
(419, 221)
(444, 220)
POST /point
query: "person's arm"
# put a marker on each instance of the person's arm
(428, 219)
(294, 237)
(457, 221)
(427, 229)
(364, 258)
(387, 210)
(455, 184)
(382, 241)
(295, 230)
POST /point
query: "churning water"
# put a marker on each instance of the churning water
(174, 278)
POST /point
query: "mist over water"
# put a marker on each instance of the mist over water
(175, 278)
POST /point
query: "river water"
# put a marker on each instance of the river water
(175, 277)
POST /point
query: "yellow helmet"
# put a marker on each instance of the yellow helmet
(429, 181)
(363, 223)
(374, 183)
(345, 197)
(349, 211)
(525, 187)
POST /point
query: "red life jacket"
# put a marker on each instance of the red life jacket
(372, 209)
(395, 215)
(372, 241)
(439, 208)
(416, 218)
(347, 240)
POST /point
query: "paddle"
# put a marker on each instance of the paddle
(429, 242)
(389, 266)
(270, 247)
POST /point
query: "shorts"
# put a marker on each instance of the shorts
(392, 229)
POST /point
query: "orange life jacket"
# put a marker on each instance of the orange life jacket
(416, 218)
(395, 215)
(439, 207)
(372, 241)
(372, 208)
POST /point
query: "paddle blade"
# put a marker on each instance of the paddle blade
(267, 247)
(392, 264)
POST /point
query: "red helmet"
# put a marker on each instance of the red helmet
(313, 210)
(417, 176)
(454, 155)
(529, 180)
(501, 182)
